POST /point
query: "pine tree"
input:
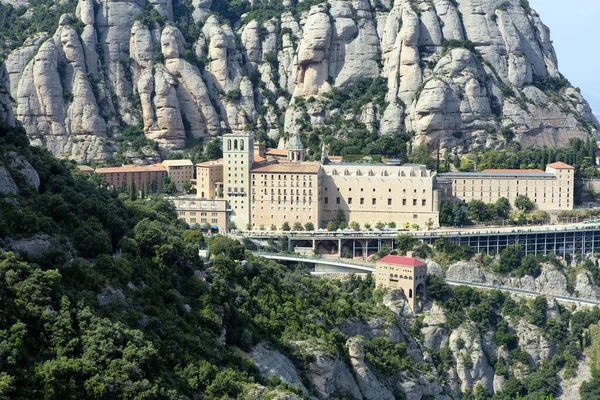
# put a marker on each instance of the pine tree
(132, 191)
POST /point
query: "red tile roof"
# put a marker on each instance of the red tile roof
(516, 171)
(289, 168)
(258, 159)
(132, 168)
(559, 165)
(402, 260)
(276, 152)
(209, 163)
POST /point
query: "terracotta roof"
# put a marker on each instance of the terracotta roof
(209, 163)
(516, 171)
(276, 152)
(289, 168)
(258, 159)
(170, 163)
(559, 165)
(402, 260)
(85, 168)
(132, 168)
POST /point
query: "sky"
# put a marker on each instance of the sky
(574, 29)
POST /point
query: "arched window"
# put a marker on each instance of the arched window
(410, 293)
(391, 275)
(229, 144)
(410, 278)
(235, 144)
(241, 145)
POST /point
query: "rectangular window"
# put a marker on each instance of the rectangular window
(423, 202)
(389, 202)
(349, 200)
(403, 202)
(362, 200)
(414, 202)
(337, 200)
(373, 201)
(326, 200)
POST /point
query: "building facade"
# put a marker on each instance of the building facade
(549, 190)
(238, 157)
(180, 172)
(387, 193)
(148, 178)
(194, 210)
(406, 273)
(209, 179)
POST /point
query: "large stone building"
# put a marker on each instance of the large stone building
(261, 193)
(406, 273)
(387, 193)
(180, 172)
(549, 190)
(148, 178)
(194, 210)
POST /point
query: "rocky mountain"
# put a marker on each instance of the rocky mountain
(459, 74)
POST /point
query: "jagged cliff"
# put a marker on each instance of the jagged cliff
(461, 74)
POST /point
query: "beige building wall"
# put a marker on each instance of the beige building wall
(199, 211)
(549, 191)
(285, 192)
(408, 278)
(209, 179)
(144, 176)
(386, 193)
(180, 172)
(238, 157)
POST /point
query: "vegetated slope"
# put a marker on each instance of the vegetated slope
(80, 322)
(462, 74)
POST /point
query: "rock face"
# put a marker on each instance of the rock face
(273, 363)
(457, 73)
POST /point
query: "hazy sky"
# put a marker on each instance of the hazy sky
(574, 29)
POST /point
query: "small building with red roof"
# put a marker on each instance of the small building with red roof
(406, 273)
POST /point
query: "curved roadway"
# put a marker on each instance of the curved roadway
(367, 268)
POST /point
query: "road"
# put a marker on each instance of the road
(363, 267)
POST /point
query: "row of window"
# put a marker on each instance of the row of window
(374, 201)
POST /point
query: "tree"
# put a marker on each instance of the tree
(523, 203)
(420, 155)
(339, 221)
(168, 185)
(273, 227)
(379, 225)
(213, 151)
(261, 227)
(406, 225)
(391, 225)
(404, 243)
(478, 210)
(187, 186)
(297, 226)
(230, 248)
(502, 207)
(354, 225)
(415, 226)
(510, 258)
(248, 226)
(309, 226)
(429, 224)
(285, 227)
(231, 226)
(132, 191)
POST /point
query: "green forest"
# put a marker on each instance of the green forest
(86, 321)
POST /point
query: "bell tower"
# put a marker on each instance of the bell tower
(295, 150)
(238, 156)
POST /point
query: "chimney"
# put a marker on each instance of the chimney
(409, 254)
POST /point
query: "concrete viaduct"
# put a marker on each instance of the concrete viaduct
(574, 239)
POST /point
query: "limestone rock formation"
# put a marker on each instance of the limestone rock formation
(273, 363)
(460, 75)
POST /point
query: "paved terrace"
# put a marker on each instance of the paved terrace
(349, 266)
